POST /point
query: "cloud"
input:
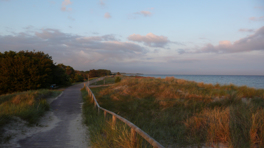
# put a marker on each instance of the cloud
(140, 13)
(74, 49)
(259, 7)
(250, 43)
(144, 13)
(246, 30)
(64, 5)
(150, 39)
(71, 18)
(257, 18)
(107, 15)
(102, 3)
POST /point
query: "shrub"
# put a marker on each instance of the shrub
(26, 70)
(117, 79)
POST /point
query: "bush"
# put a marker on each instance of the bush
(117, 79)
(26, 70)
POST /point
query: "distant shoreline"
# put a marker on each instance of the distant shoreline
(256, 81)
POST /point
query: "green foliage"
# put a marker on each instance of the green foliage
(26, 70)
(69, 71)
(78, 78)
(93, 73)
(60, 77)
(117, 79)
(99, 73)
(102, 135)
(107, 80)
(118, 73)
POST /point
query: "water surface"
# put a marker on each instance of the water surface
(239, 80)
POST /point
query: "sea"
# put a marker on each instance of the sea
(255, 81)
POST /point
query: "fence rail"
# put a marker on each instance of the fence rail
(134, 128)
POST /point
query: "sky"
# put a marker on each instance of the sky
(194, 37)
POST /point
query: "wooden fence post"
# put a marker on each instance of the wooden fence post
(133, 138)
(113, 121)
(104, 114)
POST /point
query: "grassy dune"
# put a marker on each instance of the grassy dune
(177, 112)
(28, 105)
(102, 133)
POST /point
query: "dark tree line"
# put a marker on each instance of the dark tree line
(27, 70)
(99, 73)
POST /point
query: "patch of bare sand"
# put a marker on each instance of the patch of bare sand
(78, 133)
(18, 129)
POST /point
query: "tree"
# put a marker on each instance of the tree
(25, 70)
(93, 73)
(78, 78)
(69, 71)
(60, 77)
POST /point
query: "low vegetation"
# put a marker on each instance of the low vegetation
(28, 105)
(177, 112)
(102, 133)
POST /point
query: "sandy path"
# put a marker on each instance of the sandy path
(68, 131)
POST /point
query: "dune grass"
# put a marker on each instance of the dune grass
(106, 81)
(28, 105)
(102, 133)
(177, 112)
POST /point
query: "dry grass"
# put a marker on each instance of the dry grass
(180, 112)
(212, 123)
(102, 133)
(28, 105)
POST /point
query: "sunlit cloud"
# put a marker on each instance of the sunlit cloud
(150, 39)
(144, 13)
(246, 30)
(74, 49)
(261, 18)
(250, 43)
(71, 18)
(140, 13)
(107, 15)
(259, 7)
(64, 5)
(102, 3)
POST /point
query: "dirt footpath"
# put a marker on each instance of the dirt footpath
(69, 132)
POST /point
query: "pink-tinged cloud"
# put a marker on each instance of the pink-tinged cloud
(259, 7)
(66, 47)
(64, 5)
(250, 43)
(107, 15)
(257, 18)
(144, 13)
(102, 3)
(150, 39)
(246, 30)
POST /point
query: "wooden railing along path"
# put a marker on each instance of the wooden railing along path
(133, 127)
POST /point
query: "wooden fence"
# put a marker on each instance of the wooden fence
(134, 128)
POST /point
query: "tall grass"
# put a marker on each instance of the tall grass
(101, 131)
(106, 81)
(28, 105)
(177, 112)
